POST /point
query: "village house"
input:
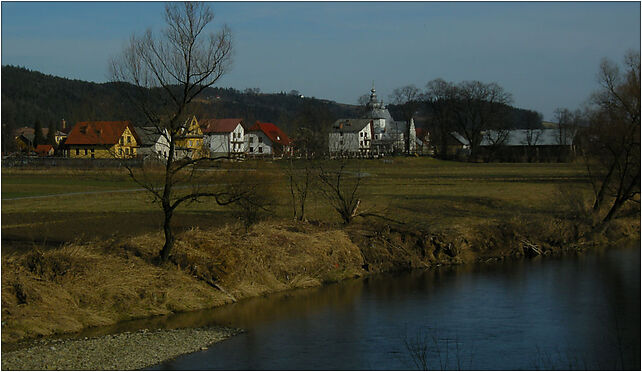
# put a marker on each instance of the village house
(24, 137)
(190, 140)
(422, 142)
(266, 139)
(528, 145)
(223, 137)
(102, 139)
(351, 137)
(388, 135)
(153, 142)
(62, 134)
(457, 146)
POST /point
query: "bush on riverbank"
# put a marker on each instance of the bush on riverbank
(90, 284)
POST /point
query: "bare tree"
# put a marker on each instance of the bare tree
(169, 70)
(301, 180)
(479, 107)
(611, 143)
(341, 189)
(534, 131)
(495, 141)
(567, 127)
(408, 98)
(362, 101)
(439, 103)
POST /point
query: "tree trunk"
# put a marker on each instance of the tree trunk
(169, 237)
(614, 209)
(599, 198)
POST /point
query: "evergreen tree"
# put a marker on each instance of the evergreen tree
(38, 137)
(51, 135)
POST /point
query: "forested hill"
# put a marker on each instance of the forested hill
(28, 96)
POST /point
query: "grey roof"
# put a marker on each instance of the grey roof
(148, 135)
(378, 113)
(538, 137)
(459, 138)
(349, 125)
(397, 126)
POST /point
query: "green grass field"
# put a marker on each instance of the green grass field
(422, 191)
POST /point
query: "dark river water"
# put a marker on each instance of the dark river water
(568, 313)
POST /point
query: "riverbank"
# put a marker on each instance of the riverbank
(68, 289)
(124, 351)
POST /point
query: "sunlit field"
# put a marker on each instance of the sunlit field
(59, 205)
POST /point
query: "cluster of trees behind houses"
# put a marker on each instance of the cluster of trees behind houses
(480, 113)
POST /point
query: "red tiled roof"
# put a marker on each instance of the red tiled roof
(99, 132)
(43, 149)
(219, 125)
(274, 133)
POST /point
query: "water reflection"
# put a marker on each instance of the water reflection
(570, 313)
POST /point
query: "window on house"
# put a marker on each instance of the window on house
(341, 142)
(77, 151)
(251, 140)
(127, 150)
(376, 136)
(260, 140)
(361, 134)
(260, 148)
(251, 149)
(121, 141)
(85, 151)
(341, 134)
(92, 151)
(361, 143)
(120, 151)
(129, 139)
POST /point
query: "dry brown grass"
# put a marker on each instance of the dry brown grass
(81, 285)
(77, 286)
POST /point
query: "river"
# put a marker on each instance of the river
(555, 313)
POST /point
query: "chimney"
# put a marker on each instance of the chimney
(64, 124)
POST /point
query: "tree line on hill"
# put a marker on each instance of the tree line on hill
(30, 96)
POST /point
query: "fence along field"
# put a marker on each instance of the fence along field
(58, 204)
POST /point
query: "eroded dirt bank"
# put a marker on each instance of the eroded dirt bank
(67, 289)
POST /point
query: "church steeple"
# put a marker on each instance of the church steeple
(373, 103)
(373, 93)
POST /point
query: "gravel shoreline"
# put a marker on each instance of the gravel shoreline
(123, 351)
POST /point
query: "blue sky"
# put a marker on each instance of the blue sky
(545, 54)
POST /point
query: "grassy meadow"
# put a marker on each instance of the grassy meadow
(61, 205)
(66, 232)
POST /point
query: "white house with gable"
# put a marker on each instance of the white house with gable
(223, 137)
(351, 137)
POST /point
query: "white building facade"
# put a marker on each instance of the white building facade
(351, 137)
(387, 136)
(224, 137)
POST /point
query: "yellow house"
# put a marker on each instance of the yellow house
(102, 139)
(190, 139)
